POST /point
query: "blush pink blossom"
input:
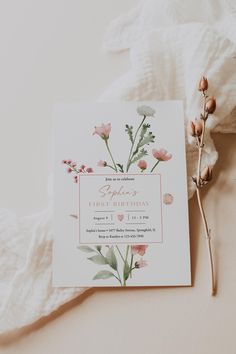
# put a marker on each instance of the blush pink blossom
(168, 198)
(161, 154)
(142, 165)
(139, 249)
(102, 163)
(141, 263)
(103, 131)
(89, 170)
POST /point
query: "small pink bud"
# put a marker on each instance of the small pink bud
(69, 170)
(211, 105)
(82, 167)
(64, 161)
(69, 162)
(102, 163)
(140, 264)
(203, 84)
(89, 170)
(142, 165)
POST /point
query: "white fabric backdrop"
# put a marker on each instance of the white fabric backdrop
(172, 44)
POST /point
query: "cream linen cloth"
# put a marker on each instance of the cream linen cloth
(172, 43)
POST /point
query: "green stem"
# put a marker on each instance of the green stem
(132, 146)
(114, 164)
(110, 167)
(120, 253)
(118, 273)
(155, 165)
(118, 278)
(126, 257)
(131, 264)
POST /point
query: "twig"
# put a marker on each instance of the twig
(197, 130)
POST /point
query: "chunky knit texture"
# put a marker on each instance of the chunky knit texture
(172, 43)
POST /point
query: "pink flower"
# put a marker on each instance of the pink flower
(168, 198)
(140, 264)
(82, 167)
(139, 249)
(142, 165)
(103, 131)
(161, 155)
(89, 170)
(69, 170)
(102, 163)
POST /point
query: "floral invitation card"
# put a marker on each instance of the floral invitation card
(120, 195)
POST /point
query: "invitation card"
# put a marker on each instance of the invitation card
(120, 195)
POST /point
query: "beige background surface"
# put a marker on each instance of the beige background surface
(50, 51)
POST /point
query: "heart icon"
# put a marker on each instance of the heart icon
(120, 217)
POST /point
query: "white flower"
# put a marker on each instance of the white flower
(146, 111)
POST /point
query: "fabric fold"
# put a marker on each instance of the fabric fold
(172, 44)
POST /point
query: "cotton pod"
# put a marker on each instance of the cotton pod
(211, 105)
(206, 174)
(203, 84)
(195, 128)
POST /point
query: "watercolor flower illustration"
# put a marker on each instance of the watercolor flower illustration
(168, 198)
(140, 249)
(121, 265)
(146, 111)
(103, 131)
(73, 168)
(142, 165)
(140, 138)
(108, 256)
(140, 263)
(160, 155)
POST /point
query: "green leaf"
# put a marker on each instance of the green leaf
(98, 248)
(149, 138)
(103, 274)
(126, 270)
(141, 154)
(144, 129)
(121, 167)
(98, 259)
(86, 249)
(129, 130)
(111, 258)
